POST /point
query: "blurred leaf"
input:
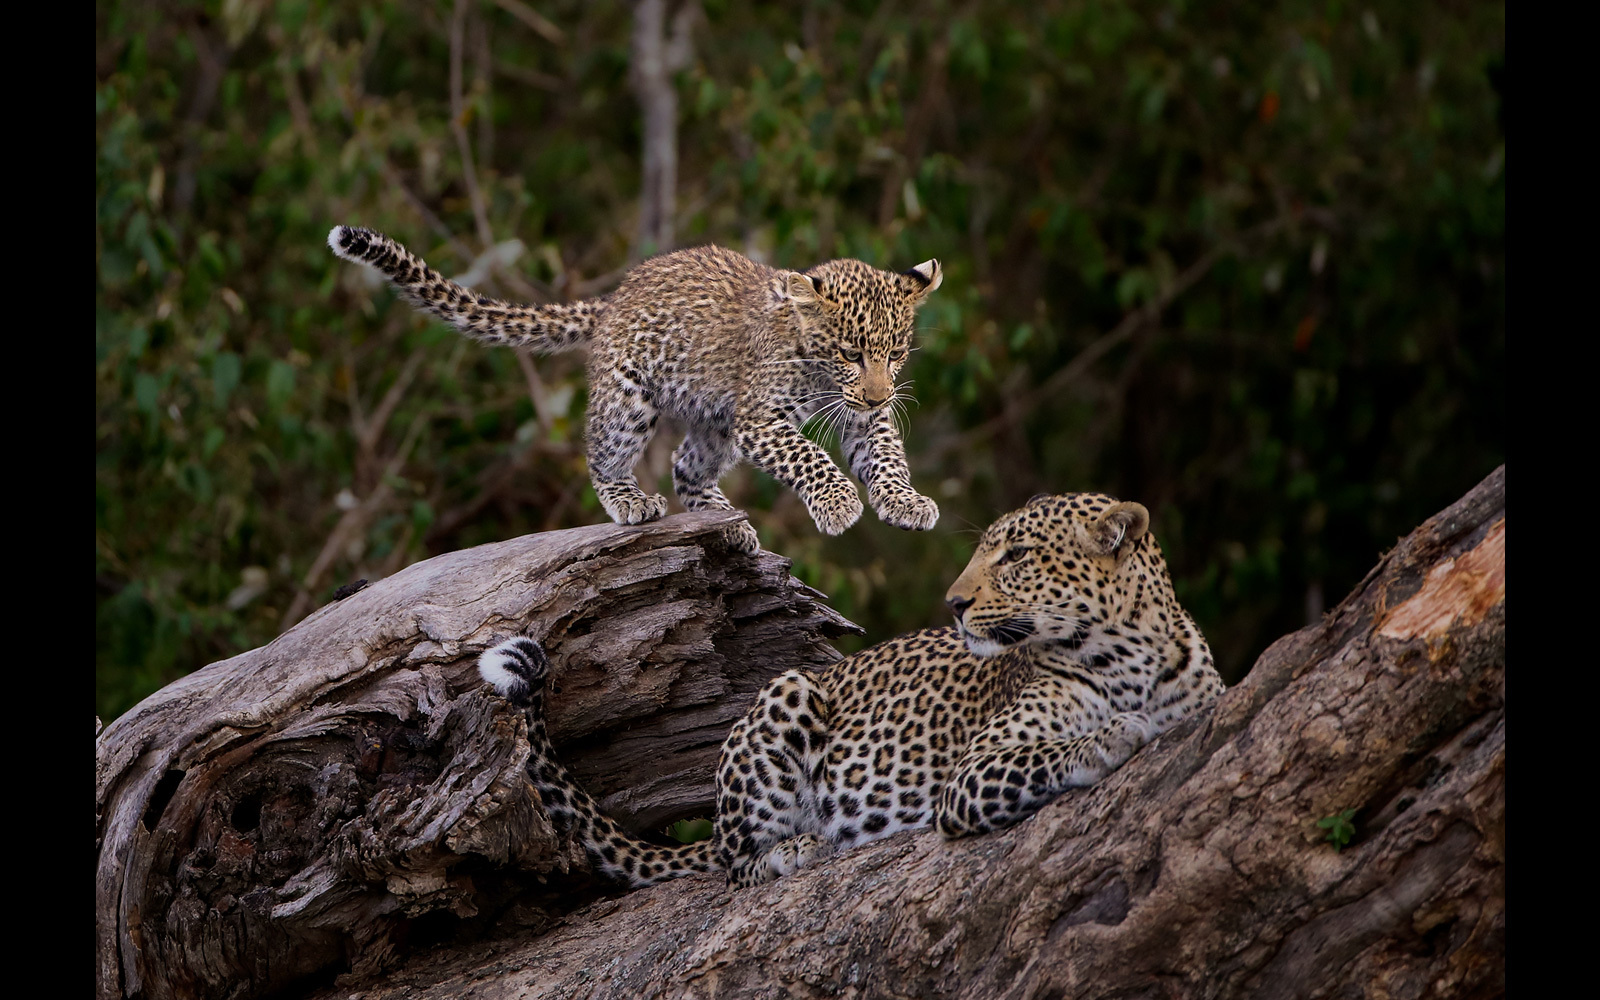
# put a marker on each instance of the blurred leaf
(687, 831)
(280, 383)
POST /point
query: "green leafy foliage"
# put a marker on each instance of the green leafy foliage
(1340, 829)
(1246, 269)
(687, 831)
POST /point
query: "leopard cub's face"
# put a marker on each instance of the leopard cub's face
(1047, 572)
(859, 322)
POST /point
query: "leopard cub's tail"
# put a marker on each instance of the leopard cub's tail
(546, 329)
(517, 669)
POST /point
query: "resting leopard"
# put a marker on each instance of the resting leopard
(1069, 653)
(742, 353)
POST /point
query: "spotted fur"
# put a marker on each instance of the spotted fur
(742, 353)
(1070, 652)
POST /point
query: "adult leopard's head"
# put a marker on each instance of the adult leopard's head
(858, 322)
(1055, 570)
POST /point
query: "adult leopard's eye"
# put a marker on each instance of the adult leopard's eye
(1012, 554)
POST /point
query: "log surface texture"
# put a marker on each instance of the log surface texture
(1197, 870)
(350, 792)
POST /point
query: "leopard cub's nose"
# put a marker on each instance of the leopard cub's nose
(958, 604)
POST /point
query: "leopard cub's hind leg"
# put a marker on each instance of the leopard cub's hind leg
(697, 464)
(620, 423)
(769, 781)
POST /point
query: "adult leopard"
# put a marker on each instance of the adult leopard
(1070, 651)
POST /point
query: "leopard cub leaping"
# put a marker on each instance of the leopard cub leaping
(744, 354)
(1070, 651)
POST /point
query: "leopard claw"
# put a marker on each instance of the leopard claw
(911, 511)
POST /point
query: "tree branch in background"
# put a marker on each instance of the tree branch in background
(458, 126)
(533, 19)
(482, 73)
(299, 113)
(929, 97)
(494, 484)
(213, 57)
(490, 265)
(370, 430)
(536, 391)
(656, 59)
(531, 77)
(352, 524)
(1018, 406)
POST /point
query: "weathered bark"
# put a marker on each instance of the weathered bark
(1197, 870)
(330, 800)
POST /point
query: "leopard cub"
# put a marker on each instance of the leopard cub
(744, 354)
(1069, 653)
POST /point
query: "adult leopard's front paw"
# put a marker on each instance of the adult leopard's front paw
(1126, 733)
(835, 507)
(911, 511)
(796, 853)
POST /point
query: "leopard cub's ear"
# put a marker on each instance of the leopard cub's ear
(803, 288)
(917, 283)
(1119, 526)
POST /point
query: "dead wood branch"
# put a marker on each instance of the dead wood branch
(330, 800)
(1200, 869)
(1197, 870)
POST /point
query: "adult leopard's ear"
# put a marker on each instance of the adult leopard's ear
(917, 283)
(1119, 526)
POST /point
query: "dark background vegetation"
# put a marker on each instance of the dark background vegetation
(1244, 263)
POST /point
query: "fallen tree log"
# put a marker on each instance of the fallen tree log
(1335, 828)
(351, 791)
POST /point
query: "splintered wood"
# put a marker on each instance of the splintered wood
(322, 804)
(1457, 591)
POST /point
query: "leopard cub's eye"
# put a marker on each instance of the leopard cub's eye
(897, 354)
(1012, 554)
(850, 354)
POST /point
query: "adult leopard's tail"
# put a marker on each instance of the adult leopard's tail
(546, 329)
(516, 668)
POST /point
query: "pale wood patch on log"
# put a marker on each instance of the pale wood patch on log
(1462, 589)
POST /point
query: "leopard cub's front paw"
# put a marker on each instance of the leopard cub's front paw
(741, 537)
(835, 507)
(631, 505)
(908, 510)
